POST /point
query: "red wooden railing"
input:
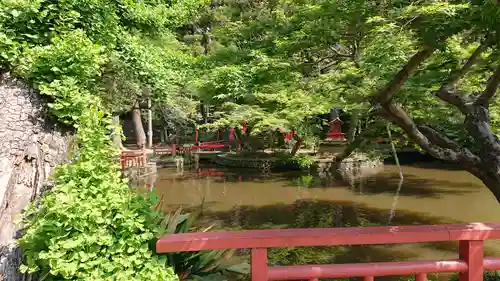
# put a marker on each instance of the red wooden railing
(165, 150)
(210, 145)
(133, 158)
(471, 263)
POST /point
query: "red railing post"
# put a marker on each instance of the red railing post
(472, 252)
(259, 264)
(421, 277)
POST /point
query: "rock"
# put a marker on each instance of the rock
(359, 166)
(24, 165)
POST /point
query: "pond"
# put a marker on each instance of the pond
(242, 199)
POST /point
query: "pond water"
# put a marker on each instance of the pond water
(241, 199)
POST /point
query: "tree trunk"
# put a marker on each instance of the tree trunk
(203, 112)
(165, 131)
(140, 135)
(150, 125)
(243, 140)
(353, 126)
(488, 168)
(177, 134)
(117, 136)
(297, 146)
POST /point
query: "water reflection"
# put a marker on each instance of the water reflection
(233, 199)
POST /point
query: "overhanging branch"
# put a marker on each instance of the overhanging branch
(394, 112)
(385, 95)
(447, 91)
(460, 73)
(491, 89)
(425, 141)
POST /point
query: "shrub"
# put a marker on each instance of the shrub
(91, 226)
(302, 161)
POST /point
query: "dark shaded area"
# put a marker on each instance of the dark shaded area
(421, 160)
(416, 186)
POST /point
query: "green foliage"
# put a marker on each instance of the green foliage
(302, 161)
(82, 55)
(204, 265)
(119, 51)
(92, 226)
(487, 276)
(70, 55)
(278, 64)
(69, 99)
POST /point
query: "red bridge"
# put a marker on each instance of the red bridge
(471, 263)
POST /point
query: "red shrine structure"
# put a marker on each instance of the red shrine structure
(335, 133)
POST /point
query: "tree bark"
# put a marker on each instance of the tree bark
(117, 135)
(297, 146)
(140, 135)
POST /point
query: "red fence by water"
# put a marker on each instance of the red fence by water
(133, 158)
(471, 263)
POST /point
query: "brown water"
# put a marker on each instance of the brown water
(242, 200)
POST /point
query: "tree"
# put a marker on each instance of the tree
(118, 52)
(275, 60)
(245, 81)
(471, 25)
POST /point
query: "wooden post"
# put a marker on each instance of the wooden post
(259, 264)
(472, 252)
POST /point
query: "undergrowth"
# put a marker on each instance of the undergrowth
(92, 226)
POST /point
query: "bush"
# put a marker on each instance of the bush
(91, 226)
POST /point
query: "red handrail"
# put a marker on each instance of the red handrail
(131, 158)
(471, 238)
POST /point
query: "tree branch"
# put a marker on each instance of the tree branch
(443, 141)
(491, 89)
(427, 138)
(401, 118)
(385, 95)
(460, 73)
(447, 92)
(425, 141)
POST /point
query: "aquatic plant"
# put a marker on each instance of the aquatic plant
(204, 265)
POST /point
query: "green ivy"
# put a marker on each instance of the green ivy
(92, 226)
